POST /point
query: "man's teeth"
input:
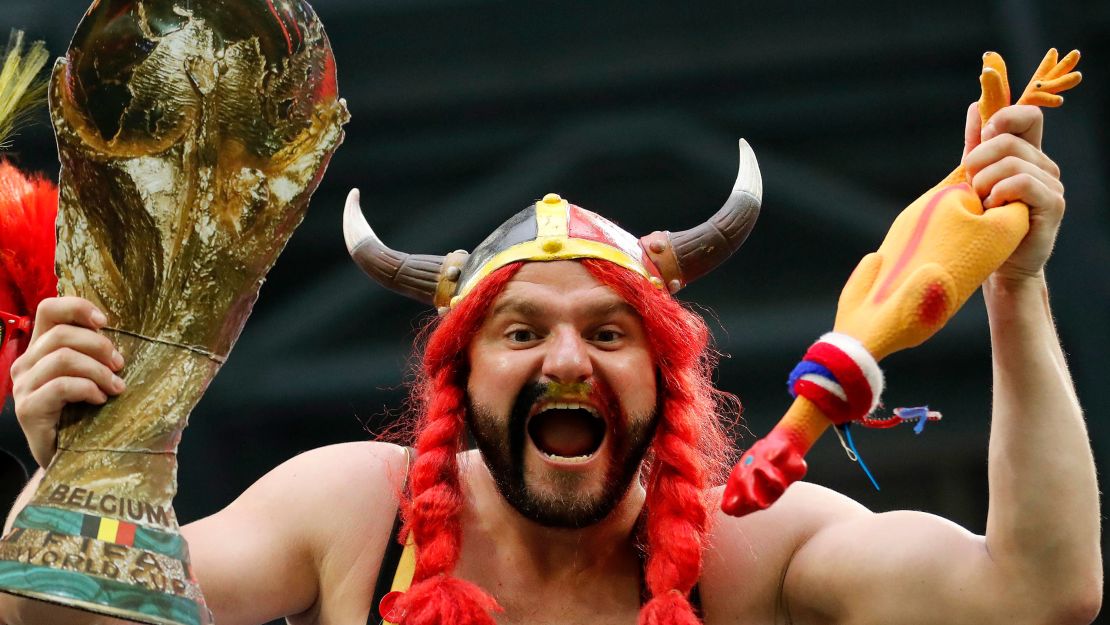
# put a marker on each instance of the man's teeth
(573, 460)
(571, 406)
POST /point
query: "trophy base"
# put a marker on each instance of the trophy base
(101, 565)
(99, 596)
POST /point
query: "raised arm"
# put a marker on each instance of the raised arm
(302, 532)
(1039, 561)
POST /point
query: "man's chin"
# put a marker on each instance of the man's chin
(575, 511)
(555, 493)
(567, 500)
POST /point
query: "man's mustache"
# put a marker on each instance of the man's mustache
(594, 391)
(563, 389)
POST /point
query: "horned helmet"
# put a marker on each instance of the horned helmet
(553, 229)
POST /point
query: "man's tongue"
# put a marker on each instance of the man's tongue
(566, 433)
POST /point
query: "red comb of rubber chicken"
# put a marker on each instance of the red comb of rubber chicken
(938, 251)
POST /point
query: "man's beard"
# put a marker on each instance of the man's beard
(503, 446)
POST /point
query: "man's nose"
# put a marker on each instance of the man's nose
(567, 359)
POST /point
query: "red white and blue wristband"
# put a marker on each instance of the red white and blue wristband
(840, 376)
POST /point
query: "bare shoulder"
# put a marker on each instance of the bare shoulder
(313, 530)
(816, 555)
(344, 497)
(336, 478)
(371, 464)
(357, 487)
(748, 558)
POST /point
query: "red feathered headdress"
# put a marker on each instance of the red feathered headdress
(28, 207)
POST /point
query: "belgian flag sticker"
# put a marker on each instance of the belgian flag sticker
(108, 530)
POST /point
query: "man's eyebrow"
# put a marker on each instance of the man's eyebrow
(608, 307)
(518, 306)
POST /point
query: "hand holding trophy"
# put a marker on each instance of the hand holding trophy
(191, 136)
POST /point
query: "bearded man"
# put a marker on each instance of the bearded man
(592, 496)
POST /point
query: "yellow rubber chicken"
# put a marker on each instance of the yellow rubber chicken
(938, 251)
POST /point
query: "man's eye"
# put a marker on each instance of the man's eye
(522, 336)
(607, 336)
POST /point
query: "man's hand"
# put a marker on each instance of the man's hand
(1006, 164)
(67, 361)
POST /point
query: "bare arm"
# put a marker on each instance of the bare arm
(315, 525)
(322, 519)
(1043, 518)
(1039, 561)
(312, 525)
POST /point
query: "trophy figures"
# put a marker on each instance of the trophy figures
(191, 135)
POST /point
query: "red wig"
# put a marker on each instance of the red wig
(690, 451)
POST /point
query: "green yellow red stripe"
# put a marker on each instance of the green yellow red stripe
(61, 521)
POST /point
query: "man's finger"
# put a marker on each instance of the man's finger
(49, 400)
(997, 148)
(68, 363)
(79, 339)
(72, 310)
(986, 179)
(1027, 189)
(1021, 120)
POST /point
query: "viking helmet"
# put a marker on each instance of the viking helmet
(553, 229)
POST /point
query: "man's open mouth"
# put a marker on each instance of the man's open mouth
(567, 431)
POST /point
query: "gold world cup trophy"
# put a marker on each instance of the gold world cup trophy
(191, 136)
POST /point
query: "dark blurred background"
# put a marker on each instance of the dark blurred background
(464, 111)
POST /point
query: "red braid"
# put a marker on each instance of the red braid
(691, 447)
(432, 511)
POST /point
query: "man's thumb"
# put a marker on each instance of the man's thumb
(972, 129)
